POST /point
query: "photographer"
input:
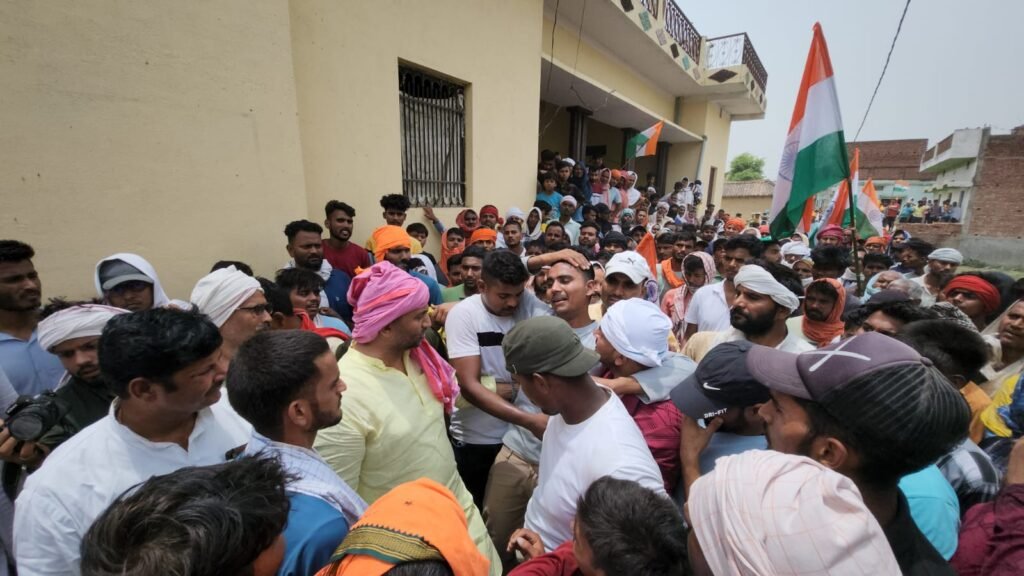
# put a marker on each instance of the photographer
(32, 427)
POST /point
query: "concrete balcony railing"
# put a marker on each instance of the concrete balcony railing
(734, 50)
(955, 150)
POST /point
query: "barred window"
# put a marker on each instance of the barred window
(433, 112)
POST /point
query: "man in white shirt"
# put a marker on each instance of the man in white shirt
(759, 314)
(709, 309)
(589, 435)
(166, 367)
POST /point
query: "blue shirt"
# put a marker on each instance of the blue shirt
(336, 289)
(432, 286)
(934, 508)
(555, 200)
(314, 530)
(30, 369)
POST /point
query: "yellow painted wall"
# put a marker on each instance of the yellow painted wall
(599, 134)
(610, 72)
(706, 119)
(553, 129)
(346, 57)
(163, 128)
(746, 206)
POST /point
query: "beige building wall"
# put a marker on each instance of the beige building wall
(346, 57)
(746, 206)
(705, 119)
(162, 128)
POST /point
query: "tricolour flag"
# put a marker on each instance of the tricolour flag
(867, 213)
(814, 157)
(644, 143)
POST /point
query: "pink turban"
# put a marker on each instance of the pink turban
(831, 230)
(382, 294)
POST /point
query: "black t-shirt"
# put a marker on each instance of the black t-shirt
(914, 553)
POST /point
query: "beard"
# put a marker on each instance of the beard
(750, 324)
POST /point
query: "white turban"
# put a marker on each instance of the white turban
(796, 249)
(947, 255)
(515, 212)
(74, 322)
(638, 330)
(160, 298)
(220, 292)
(757, 279)
(765, 512)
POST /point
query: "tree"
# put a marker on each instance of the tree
(746, 166)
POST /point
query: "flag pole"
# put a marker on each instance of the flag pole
(853, 224)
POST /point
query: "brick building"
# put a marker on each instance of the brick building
(895, 167)
(993, 225)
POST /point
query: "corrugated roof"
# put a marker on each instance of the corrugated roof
(749, 189)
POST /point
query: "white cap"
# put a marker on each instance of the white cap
(630, 263)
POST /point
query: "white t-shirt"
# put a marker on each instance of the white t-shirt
(81, 478)
(609, 443)
(519, 439)
(708, 309)
(473, 331)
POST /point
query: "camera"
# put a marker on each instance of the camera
(31, 417)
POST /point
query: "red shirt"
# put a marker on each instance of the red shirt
(559, 562)
(347, 259)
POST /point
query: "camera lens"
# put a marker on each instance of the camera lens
(28, 427)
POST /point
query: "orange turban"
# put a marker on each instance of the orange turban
(616, 174)
(875, 241)
(483, 234)
(418, 520)
(738, 223)
(387, 237)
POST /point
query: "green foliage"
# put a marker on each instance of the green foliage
(746, 166)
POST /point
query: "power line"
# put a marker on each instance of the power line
(884, 68)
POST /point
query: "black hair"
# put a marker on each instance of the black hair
(278, 299)
(515, 223)
(474, 252)
(590, 224)
(289, 279)
(549, 176)
(588, 208)
(239, 265)
(455, 260)
(691, 265)
(666, 238)
(831, 257)
(505, 267)
(745, 242)
(270, 370)
(602, 208)
(557, 246)
(554, 223)
(57, 304)
(421, 568)
(824, 288)
(154, 344)
(548, 155)
(855, 318)
(199, 520)
(541, 205)
(903, 311)
(631, 529)
(952, 348)
(588, 273)
(919, 246)
(334, 205)
(293, 228)
(417, 227)
(456, 230)
(562, 164)
(15, 251)
(882, 259)
(686, 235)
(395, 202)
(603, 257)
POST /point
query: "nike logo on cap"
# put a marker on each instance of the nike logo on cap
(710, 387)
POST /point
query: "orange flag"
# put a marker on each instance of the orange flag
(648, 249)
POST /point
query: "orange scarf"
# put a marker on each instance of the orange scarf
(823, 333)
(418, 520)
(670, 275)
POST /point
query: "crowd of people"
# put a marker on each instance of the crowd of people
(607, 383)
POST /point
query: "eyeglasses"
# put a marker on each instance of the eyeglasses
(257, 310)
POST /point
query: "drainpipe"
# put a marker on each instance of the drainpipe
(700, 158)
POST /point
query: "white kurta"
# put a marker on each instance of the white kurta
(81, 478)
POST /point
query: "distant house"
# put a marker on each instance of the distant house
(747, 197)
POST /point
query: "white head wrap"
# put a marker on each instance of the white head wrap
(947, 255)
(757, 279)
(796, 249)
(425, 264)
(74, 322)
(765, 512)
(160, 298)
(638, 330)
(515, 212)
(220, 292)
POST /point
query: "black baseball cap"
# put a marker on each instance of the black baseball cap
(721, 381)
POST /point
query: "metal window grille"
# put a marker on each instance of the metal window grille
(433, 112)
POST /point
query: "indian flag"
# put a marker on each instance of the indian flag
(644, 143)
(814, 157)
(867, 213)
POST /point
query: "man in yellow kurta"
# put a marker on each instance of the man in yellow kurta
(399, 389)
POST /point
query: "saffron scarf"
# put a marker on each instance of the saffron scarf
(669, 275)
(683, 295)
(822, 333)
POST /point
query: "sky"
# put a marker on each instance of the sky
(956, 64)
